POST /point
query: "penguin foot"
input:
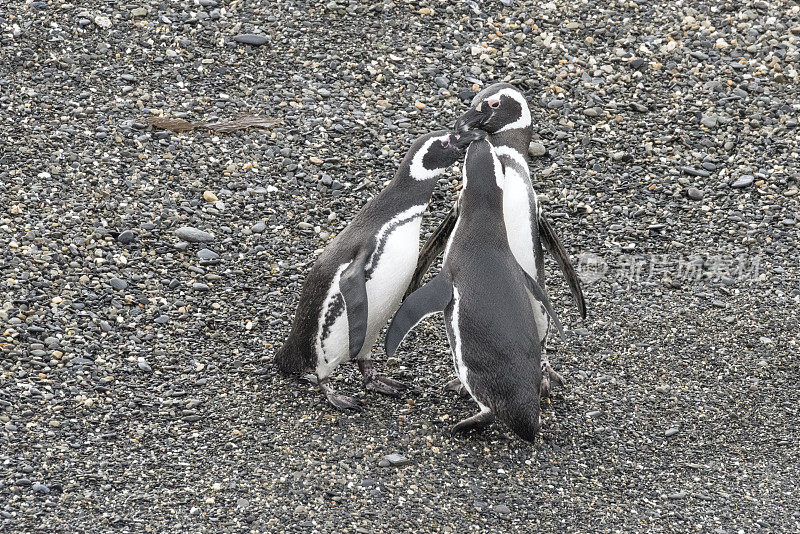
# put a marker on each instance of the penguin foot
(384, 386)
(478, 421)
(549, 375)
(380, 384)
(343, 402)
(458, 387)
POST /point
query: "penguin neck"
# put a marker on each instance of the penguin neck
(405, 190)
(519, 139)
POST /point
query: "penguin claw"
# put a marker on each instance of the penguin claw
(384, 386)
(478, 421)
(392, 382)
(456, 386)
(549, 375)
(344, 402)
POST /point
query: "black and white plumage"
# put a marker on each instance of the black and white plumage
(502, 111)
(491, 326)
(357, 282)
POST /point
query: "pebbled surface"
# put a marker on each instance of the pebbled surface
(136, 386)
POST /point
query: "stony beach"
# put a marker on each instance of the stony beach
(149, 275)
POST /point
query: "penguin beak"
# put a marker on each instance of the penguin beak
(463, 140)
(471, 119)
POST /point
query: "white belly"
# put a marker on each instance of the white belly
(517, 215)
(391, 274)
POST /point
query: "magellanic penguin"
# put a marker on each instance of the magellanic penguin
(490, 324)
(502, 111)
(356, 284)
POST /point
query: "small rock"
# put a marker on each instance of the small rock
(143, 365)
(199, 286)
(126, 237)
(691, 171)
(250, 39)
(695, 194)
(118, 284)
(442, 82)
(709, 121)
(258, 227)
(536, 149)
(502, 509)
(671, 431)
(40, 488)
(209, 196)
(193, 235)
(396, 459)
(743, 181)
(207, 254)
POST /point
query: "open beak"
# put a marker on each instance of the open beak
(471, 119)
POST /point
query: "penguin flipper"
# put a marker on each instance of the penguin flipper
(540, 295)
(353, 286)
(553, 245)
(432, 248)
(431, 298)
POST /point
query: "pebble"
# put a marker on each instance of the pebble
(396, 460)
(193, 235)
(251, 39)
(691, 171)
(40, 488)
(695, 194)
(709, 121)
(143, 365)
(126, 237)
(537, 149)
(209, 196)
(743, 181)
(118, 284)
(207, 254)
(199, 286)
(258, 227)
(502, 509)
(671, 431)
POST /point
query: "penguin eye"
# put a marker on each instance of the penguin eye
(494, 104)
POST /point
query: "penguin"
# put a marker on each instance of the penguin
(490, 324)
(502, 111)
(356, 284)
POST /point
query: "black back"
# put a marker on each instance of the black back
(500, 343)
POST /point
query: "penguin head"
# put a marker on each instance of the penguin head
(498, 108)
(432, 154)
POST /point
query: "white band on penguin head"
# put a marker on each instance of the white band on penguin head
(418, 171)
(524, 119)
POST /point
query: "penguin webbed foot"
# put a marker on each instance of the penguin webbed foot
(338, 400)
(549, 376)
(479, 421)
(377, 383)
(456, 386)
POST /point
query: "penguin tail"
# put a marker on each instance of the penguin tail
(289, 359)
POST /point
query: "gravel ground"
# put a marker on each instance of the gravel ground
(136, 385)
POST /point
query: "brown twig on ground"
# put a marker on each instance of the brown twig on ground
(242, 122)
